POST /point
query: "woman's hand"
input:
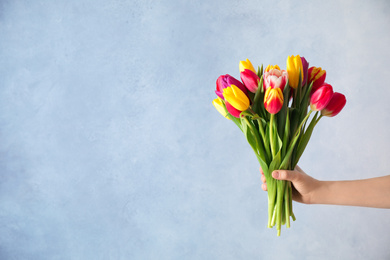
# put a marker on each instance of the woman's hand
(304, 186)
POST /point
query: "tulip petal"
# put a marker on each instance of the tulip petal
(321, 97)
(236, 97)
(335, 105)
(294, 67)
(218, 104)
(250, 80)
(246, 65)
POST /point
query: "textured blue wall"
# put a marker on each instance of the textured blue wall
(110, 147)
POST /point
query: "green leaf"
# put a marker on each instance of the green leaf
(267, 140)
(253, 138)
(258, 100)
(293, 142)
(275, 163)
(248, 134)
(294, 119)
(260, 71)
(306, 97)
(281, 116)
(286, 135)
(305, 140)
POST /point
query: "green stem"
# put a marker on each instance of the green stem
(271, 136)
(318, 119)
(279, 204)
(271, 209)
(291, 206)
(268, 152)
(287, 199)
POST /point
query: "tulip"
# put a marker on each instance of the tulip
(305, 66)
(250, 80)
(273, 100)
(234, 112)
(218, 104)
(335, 105)
(321, 97)
(246, 65)
(225, 81)
(236, 97)
(271, 67)
(294, 65)
(317, 76)
(275, 79)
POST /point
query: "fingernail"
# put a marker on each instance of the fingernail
(275, 174)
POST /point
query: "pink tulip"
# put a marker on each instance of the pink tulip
(317, 76)
(321, 97)
(250, 80)
(275, 79)
(225, 81)
(335, 105)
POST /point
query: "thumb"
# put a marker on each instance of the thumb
(284, 175)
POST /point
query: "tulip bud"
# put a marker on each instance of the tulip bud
(317, 76)
(271, 67)
(225, 81)
(273, 100)
(275, 79)
(218, 104)
(294, 65)
(335, 105)
(246, 65)
(250, 79)
(305, 66)
(321, 97)
(236, 97)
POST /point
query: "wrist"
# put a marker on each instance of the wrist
(321, 194)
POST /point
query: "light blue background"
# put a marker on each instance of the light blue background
(110, 147)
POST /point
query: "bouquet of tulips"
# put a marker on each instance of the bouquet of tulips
(277, 111)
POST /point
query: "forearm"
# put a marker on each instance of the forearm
(374, 192)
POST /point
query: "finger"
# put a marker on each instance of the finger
(261, 171)
(263, 178)
(284, 175)
(264, 187)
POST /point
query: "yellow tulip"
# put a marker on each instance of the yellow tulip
(271, 67)
(218, 104)
(236, 97)
(294, 64)
(246, 65)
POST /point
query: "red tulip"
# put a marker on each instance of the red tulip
(321, 97)
(250, 80)
(335, 105)
(234, 112)
(273, 100)
(317, 76)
